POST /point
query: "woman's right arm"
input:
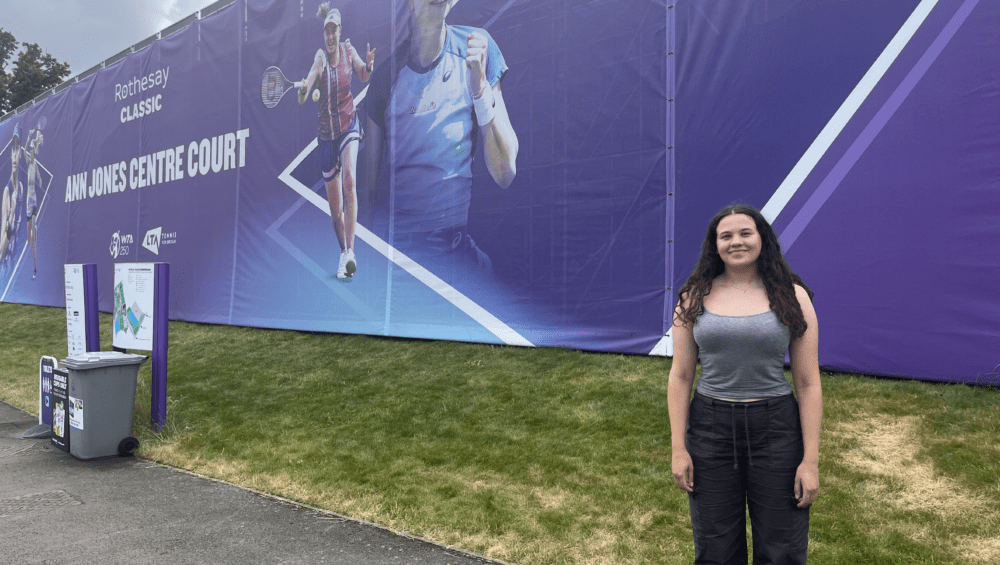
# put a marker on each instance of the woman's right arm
(314, 70)
(679, 398)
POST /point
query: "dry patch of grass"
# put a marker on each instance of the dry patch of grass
(549, 498)
(368, 507)
(888, 448)
(978, 550)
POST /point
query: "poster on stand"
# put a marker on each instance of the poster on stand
(76, 312)
(60, 409)
(132, 317)
(45, 367)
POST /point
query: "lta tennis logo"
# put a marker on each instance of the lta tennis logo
(156, 237)
(120, 244)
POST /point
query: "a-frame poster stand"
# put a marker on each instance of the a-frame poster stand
(82, 334)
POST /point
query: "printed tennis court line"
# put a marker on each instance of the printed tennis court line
(483, 317)
(843, 115)
(498, 14)
(336, 286)
(665, 347)
(882, 117)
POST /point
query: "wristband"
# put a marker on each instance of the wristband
(485, 106)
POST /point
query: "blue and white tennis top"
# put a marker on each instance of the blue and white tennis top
(429, 129)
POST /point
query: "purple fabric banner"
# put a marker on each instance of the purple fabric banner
(536, 219)
(517, 183)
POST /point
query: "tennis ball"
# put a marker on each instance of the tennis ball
(316, 95)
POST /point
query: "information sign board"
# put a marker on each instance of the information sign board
(133, 311)
(46, 365)
(60, 409)
(76, 311)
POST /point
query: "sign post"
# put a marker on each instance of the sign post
(82, 323)
(161, 340)
(141, 321)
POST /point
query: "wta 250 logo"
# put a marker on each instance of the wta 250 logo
(120, 244)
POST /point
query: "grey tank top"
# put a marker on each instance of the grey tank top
(742, 356)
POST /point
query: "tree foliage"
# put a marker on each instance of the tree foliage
(32, 73)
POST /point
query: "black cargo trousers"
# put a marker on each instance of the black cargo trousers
(745, 455)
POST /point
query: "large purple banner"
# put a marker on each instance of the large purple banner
(487, 171)
(502, 171)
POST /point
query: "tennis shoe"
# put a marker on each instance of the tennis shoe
(352, 263)
(342, 266)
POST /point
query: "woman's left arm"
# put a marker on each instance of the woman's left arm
(499, 139)
(804, 353)
(500, 143)
(363, 67)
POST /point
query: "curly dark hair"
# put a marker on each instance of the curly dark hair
(779, 279)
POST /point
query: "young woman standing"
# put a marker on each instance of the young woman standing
(745, 442)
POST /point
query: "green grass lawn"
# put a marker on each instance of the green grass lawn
(533, 455)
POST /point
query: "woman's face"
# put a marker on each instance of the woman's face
(332, 34)
(738, 241)
(15, 158)
(431, 11)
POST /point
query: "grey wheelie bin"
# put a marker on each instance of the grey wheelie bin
(101, 402)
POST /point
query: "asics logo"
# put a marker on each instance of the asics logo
(425, 107)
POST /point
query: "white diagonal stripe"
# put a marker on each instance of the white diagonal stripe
(664, 347)
(826, 137)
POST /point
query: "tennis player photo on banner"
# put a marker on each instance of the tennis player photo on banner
(413, 158)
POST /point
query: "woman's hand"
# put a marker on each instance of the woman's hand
(683, 469)
(476, 60)
(370, 59)
(806, 484)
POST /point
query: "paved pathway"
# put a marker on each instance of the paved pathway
(56, 509)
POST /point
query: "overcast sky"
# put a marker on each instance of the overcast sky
(85, 32)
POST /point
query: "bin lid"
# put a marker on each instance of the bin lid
(97, 359)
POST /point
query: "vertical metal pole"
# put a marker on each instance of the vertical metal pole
(671, 188)
(93, 330)
(161, 341)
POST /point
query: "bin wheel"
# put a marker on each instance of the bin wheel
(127, 446)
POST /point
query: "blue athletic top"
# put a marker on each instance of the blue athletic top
(742, 357)
(12, 190)
(429, 128)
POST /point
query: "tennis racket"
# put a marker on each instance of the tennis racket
(274, 86)
(42, 122)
